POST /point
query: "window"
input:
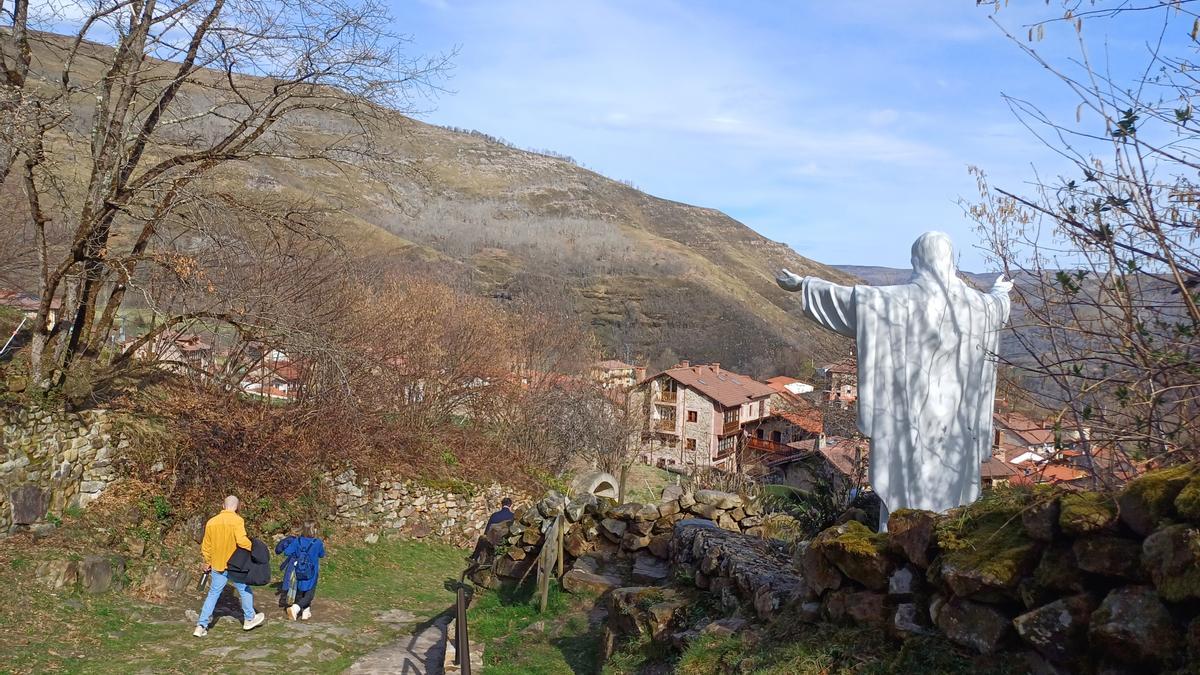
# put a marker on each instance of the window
(726, 445)
(777, 436)
(732, 415)
(691, 444)
(691, 415)
(758, 433)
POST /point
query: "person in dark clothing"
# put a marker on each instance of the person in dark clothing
(301, 567)
(504, 515)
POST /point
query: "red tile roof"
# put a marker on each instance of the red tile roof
(723, 386)
(1026, 429)
(994, 467)
(841, 453)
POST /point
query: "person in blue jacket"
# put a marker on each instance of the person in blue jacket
(301, 567)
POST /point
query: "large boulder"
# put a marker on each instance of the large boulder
(972, 624)
(706, 511)
(1187, 504)
(592, 583)
(988, 556)
(165, 581)
(1086, 512)
(99, 574)
(721, 500)
(821, 574)
(911, 532)
(1133, 626)
(552, 505)
(1058, 570)
(649, 570)
(613, 529)
(1172, 557)
(28, 504)
(57, 574)
(650, 612)
(1040, 518)
(1058, 630)
(579, 505)
(1110, 556)
(1149, 499)
(858, 552)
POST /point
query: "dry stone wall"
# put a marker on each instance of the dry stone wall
(599, 529)
(55, 461)
(454, 515)
(1075, 581)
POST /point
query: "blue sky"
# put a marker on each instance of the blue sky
(842, 129)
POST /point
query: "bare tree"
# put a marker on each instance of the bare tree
(121, 132)
(1104, 255)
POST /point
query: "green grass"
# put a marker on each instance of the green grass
(803, 649)
(644, 483)
(45, 631)
(518, 639)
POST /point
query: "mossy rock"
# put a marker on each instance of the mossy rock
(1150, 499)
(1187, 502)
(992, 552)
(1172, 557)
(1087, 512)
(857, 551)
(1058, 570)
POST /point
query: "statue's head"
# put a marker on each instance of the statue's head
(932, 253)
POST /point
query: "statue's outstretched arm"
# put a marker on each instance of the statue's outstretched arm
(788, 281)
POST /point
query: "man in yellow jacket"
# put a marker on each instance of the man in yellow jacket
(223, 534)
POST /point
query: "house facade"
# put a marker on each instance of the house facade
(613, 374)
(841, 381)
(696, 415)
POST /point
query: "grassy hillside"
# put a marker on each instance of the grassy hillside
(656, 279)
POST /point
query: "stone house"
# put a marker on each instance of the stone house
(613, 374)
(815, 464)
(841, 381)
(181, 352)
(696, 415)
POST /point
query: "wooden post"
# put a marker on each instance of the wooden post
(560, 528)
(621, 487)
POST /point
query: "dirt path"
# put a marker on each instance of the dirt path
(420, 653)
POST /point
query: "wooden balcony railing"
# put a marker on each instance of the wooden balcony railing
(763, 445)
(665, 396)
(731, 427)
(667, 426)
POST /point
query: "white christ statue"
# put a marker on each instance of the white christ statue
(926, 374)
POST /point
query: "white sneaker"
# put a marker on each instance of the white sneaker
(294, 612)
(307, 614)
(257, 620)
(200, 631)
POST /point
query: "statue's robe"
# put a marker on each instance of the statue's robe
(926, 382)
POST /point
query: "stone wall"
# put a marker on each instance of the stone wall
(54, 461)
(1074, 581)
(420, 510)
(597, 527)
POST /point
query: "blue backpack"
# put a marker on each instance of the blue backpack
(303, 568)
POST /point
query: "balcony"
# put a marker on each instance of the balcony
(731, 428)
(665, 426)
(665, 396)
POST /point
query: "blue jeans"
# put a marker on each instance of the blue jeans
(218, 581)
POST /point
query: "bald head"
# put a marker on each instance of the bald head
(932, 253)
(231, 503)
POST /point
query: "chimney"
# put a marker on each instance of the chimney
(820, 444)
(685, 364)
(716, 366)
